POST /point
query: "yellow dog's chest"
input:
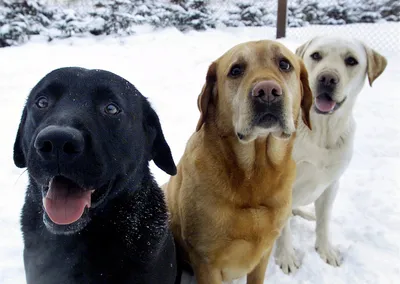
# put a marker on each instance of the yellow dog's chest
(253, 223)
(249, 235)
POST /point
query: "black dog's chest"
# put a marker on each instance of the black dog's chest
(63, 261)
(120, 245)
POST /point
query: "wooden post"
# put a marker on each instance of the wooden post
(281, 22)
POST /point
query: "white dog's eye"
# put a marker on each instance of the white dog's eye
(350, 61)
(316, 56)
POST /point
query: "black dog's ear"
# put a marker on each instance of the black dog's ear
(160, 151)
(19, 157)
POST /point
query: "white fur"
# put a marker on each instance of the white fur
(323, 154)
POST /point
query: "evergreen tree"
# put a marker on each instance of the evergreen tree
(22, 19)
(19, 20)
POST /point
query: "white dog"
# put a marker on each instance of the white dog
(337, 70)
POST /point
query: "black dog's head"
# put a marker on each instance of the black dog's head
(84, 135)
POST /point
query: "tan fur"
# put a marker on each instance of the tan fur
(230, 199)
(376, 64)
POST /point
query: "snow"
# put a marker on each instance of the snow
(170, 67)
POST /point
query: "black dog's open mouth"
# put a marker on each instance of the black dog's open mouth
(324, 104)
(65, 201)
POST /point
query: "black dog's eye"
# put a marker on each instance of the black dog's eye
(350, 61)
(316, 56)
(236, 71)
(111, 109)
(42, 102)
(284, 65)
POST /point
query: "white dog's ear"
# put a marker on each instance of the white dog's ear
(302, 48)
(376, 64)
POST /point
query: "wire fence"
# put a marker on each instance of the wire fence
(374, 22)
(305, 18)
(384, 37)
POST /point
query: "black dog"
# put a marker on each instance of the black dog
(93, 213)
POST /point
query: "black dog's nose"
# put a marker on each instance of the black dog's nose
(59, 142)
(328, 79)
(267, 91)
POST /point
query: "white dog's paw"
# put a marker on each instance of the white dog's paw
(329, 254)
(287, 261)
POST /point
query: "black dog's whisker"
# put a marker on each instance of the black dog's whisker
(23, 172)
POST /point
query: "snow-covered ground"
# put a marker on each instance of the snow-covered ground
(169, 67)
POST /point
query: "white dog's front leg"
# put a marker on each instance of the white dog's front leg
(323, 209)
(285, 257)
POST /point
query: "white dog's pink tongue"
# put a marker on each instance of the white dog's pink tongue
(325, 104)
(65, 201)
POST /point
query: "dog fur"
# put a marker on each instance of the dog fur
(323, 154)
(232, 192)
(99, 134)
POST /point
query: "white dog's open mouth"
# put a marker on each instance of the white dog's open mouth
(325, 104)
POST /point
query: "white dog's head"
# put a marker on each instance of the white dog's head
(337, 69)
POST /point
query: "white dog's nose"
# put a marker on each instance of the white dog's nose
(328, 79)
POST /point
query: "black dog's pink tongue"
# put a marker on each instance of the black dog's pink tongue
(65, 201)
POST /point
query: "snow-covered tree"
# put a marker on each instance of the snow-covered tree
(195, 15)
(249, 13)
(68, 23)
(19, 19)
(112, 17)
(390, 11)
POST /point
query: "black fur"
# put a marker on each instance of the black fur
(123, 237)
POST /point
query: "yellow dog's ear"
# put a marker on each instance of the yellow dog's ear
(376, 64)
(306, 95)
(206, 93)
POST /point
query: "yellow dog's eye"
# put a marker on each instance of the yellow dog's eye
(236, 71)
(284, 65)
